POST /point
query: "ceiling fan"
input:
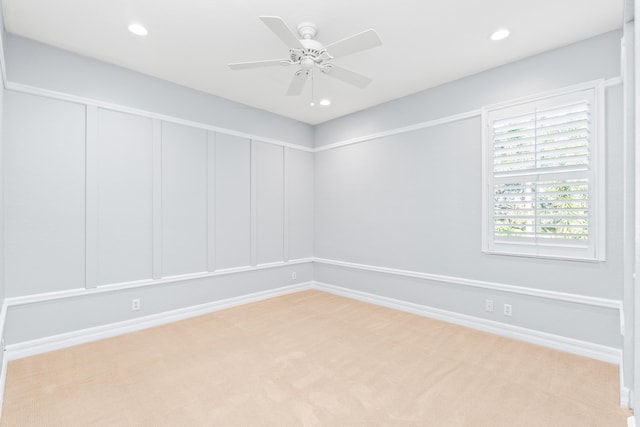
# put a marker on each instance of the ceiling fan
(310, 54)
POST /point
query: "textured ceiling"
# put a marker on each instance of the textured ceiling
(425, 42)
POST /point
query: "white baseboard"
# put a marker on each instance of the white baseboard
(55, 342)
(493, 286)
(3, 365)
(68, 339)
(3, 380)
(625, 392)
(557, 342)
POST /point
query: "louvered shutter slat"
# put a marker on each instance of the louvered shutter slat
(545, 140)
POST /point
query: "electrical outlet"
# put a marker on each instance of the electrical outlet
(294, 275)
(488, 305)
(135, 304)
(508, 310)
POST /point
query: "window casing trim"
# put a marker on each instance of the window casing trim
(596, 176)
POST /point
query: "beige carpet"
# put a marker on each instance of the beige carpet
(311, 359)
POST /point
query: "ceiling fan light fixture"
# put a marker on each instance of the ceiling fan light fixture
(138, 29)
(307, 63)
(500, 34)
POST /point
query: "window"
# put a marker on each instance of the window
(543, 175)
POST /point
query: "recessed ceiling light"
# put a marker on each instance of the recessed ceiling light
(312, 104)
(138, 29)
(500, 34)
(325, 102)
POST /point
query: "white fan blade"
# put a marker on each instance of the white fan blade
(258, 64)
(284, 33)
(297, 84)
(347, 76)
(361, 41)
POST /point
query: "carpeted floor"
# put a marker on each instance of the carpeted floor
(311, 359)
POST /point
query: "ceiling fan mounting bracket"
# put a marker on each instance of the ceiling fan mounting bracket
(307, 31)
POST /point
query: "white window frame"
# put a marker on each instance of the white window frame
(596, 176)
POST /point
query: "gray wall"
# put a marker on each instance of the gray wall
(44, 170)
(53, 196)
(101, 198)
(132, 199)
(2, 238)
(2, 235)
(628, 70)
(412, 201)
(48, 318)
(591, 59)
(35, 64)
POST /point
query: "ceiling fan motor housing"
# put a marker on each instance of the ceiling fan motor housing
(310, 55)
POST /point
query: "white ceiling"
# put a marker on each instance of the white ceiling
(425, 42)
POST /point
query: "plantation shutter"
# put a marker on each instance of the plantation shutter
(554, 139)
(541, 177)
